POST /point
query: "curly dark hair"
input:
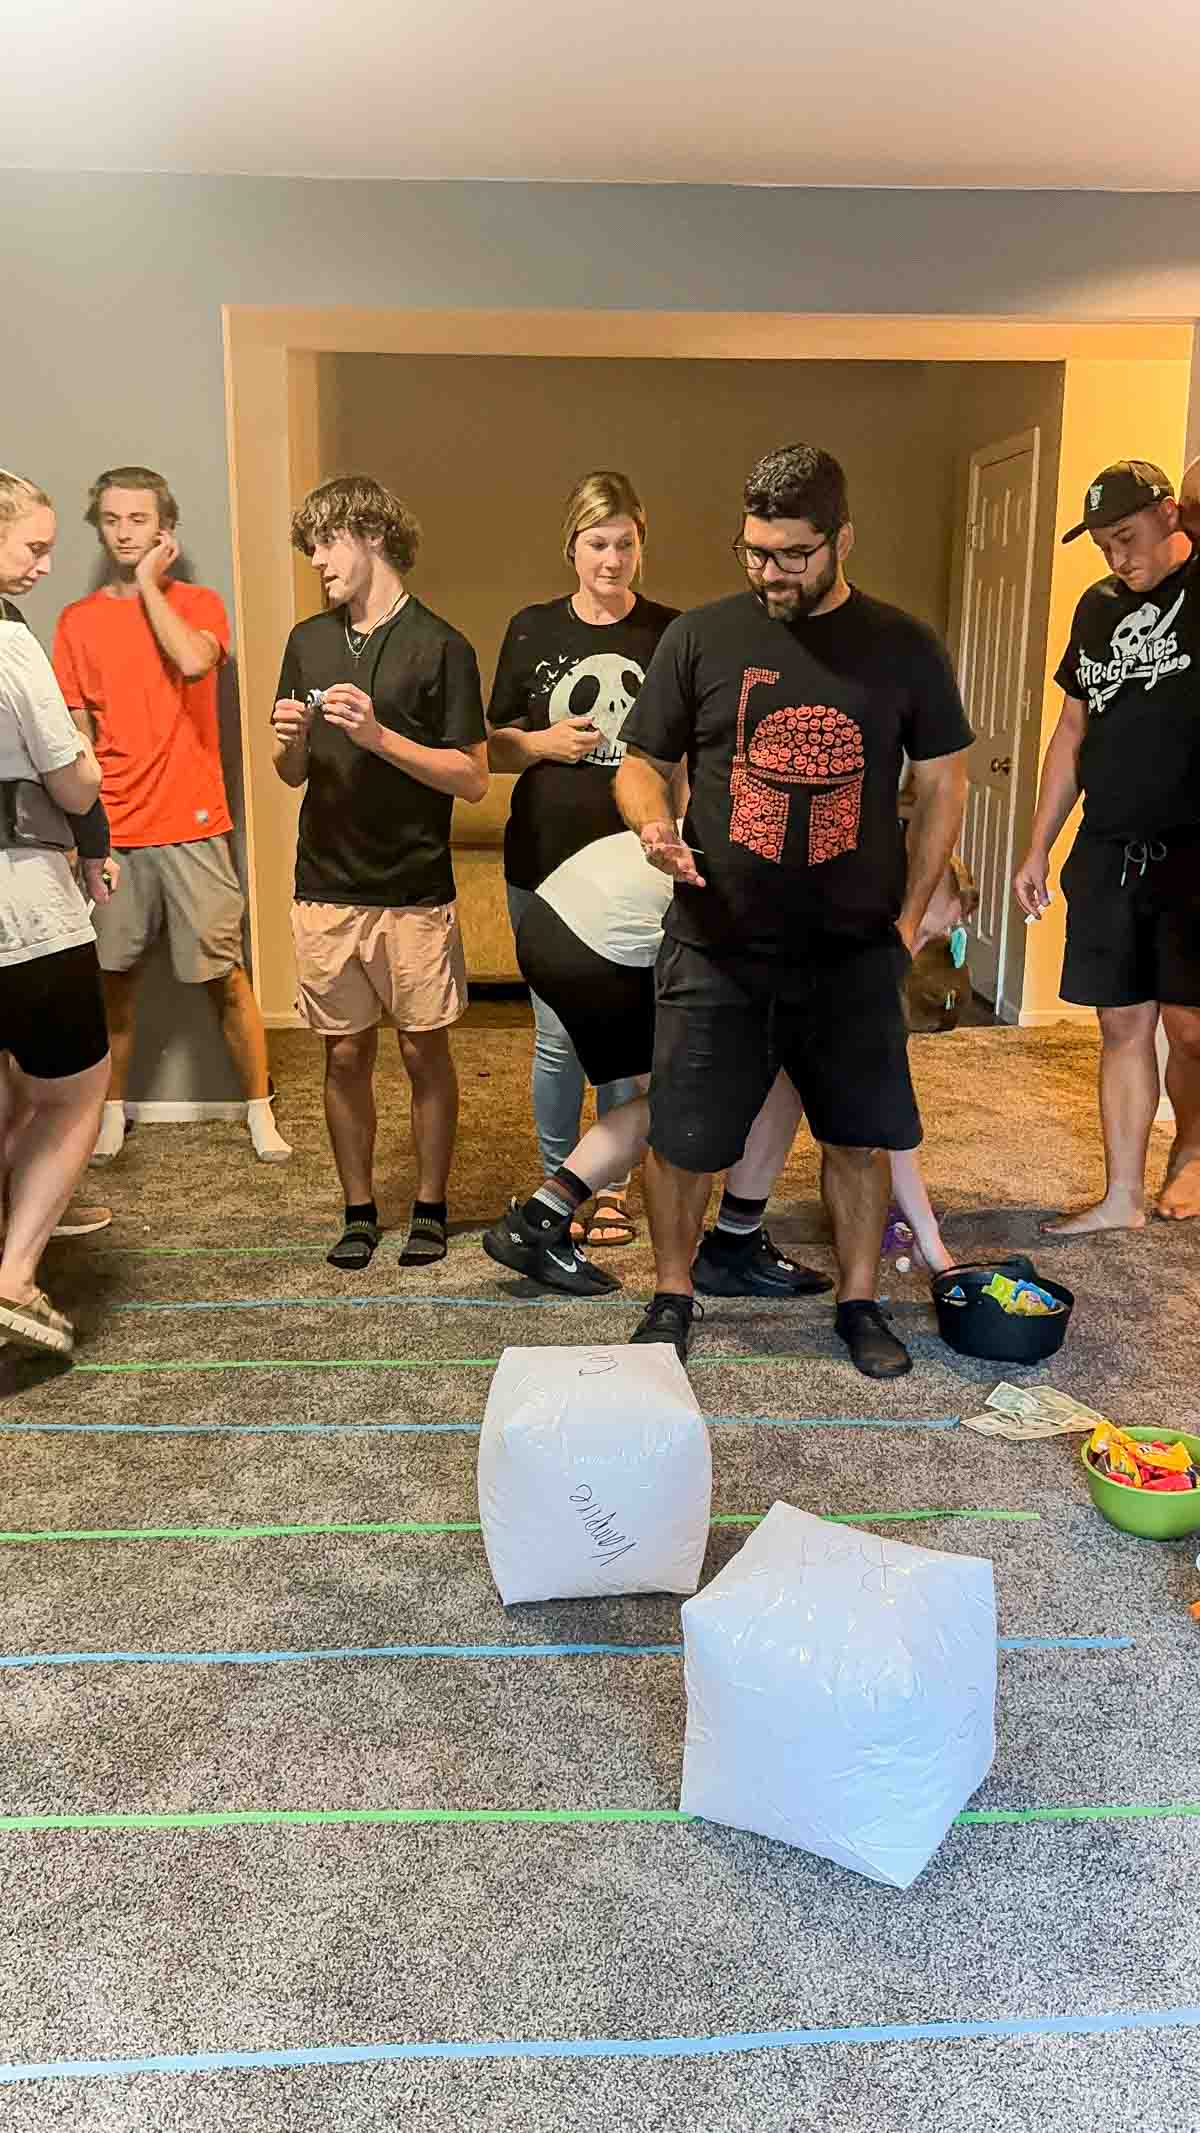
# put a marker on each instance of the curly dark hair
(357, 504)
(799, 481)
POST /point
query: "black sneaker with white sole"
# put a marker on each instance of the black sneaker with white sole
(545, 1252)
(667, 1318)
(761, 1270)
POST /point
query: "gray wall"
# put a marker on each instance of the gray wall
(110, 342)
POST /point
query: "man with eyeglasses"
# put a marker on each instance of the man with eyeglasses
(787, 936)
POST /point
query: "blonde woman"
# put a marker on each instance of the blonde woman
(54, 1062)
(568, 675)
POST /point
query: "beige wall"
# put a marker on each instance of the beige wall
(485, 448)
(1111, 410)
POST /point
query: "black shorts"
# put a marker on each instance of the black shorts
(52, 1013)
(606, 1008)
(1138, 942)
(835, 1024)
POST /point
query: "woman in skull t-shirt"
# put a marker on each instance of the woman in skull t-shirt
(568, 674)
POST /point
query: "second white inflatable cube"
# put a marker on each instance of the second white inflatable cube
(841, 1693)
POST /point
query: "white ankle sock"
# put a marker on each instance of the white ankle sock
(111, 1138)
(269, 1144)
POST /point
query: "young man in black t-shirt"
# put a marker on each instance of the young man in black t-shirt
(792, 917)
(1128, 742)
(380, 720)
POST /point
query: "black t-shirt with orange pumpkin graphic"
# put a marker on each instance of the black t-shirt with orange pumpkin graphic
(795, 735)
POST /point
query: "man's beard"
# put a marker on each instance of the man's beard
(798, 601)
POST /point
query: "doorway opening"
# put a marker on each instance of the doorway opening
(967, 442)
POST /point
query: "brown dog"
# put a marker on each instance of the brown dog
(934, 991)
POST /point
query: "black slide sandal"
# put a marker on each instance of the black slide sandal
(355, 1248)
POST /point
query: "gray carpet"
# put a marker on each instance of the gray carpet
(150, 1943)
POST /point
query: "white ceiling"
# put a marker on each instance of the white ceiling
(1046, 93)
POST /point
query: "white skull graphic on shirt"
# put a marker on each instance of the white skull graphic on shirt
(606, 687)
(1144, 646)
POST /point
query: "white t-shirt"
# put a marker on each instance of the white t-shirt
(612, 899)
(41, 909)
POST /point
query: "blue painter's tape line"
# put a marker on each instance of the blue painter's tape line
(342, 1651)
(833, 1421)
(1063, 1644)
(321, 1429)
(15, 1660)
(761, 2040)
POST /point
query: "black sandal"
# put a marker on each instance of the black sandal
(425, 1242)
(356, 1246)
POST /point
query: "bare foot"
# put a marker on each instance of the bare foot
(1180, 1196)
(1109, 1213)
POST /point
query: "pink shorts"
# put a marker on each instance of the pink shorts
(360, 964)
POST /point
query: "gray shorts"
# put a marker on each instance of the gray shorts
(192, 890)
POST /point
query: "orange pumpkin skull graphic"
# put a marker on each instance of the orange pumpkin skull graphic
(809, 745)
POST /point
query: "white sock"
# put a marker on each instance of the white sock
(269, 1144)
(111, 1138)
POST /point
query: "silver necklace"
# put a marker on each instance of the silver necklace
(356, 651)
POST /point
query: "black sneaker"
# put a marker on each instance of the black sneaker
(667, 1318)
(512, 1242)
(763, 1270)
(545, 1252)
(873, 1349)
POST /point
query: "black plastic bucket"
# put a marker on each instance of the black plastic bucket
(981, 1326)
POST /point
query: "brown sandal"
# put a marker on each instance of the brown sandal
(609, 1212)
(36, 1325)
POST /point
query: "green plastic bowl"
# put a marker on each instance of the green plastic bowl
(1166, 1517)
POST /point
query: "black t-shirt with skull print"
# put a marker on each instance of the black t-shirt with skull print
(551, 665)
(1133, 661)
(794, 735)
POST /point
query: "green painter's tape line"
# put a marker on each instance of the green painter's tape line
(446, 1525)
(214, 1251)
(392, 1362)
(877, 1518)
(1130, 1811)
(299, 1817)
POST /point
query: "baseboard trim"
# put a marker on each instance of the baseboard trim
(285, 1019)
(1042, 1017)
(183, 1114)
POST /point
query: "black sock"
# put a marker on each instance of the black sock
(738, 1226)
(435, 1209)
(562, 1192)
(364, 1211)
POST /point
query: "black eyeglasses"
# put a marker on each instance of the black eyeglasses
(792, 561)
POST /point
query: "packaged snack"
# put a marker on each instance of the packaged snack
(1114, 1454)
(1024, 1298)
(1164, 1458)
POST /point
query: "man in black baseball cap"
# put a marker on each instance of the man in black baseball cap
(1128, 743)
(1128, 486)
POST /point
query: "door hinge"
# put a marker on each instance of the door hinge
(975, 536)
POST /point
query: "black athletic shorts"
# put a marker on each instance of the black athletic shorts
(52, 1013)
(835, 1023)
(606, 1008)
(1140, 941)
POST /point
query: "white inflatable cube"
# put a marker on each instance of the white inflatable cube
(841, 1693)
(595, 1475)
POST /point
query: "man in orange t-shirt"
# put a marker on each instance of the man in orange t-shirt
(137, 662)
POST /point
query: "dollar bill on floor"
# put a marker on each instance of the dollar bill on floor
(1026, 1413)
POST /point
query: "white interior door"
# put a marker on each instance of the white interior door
(995, 630)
